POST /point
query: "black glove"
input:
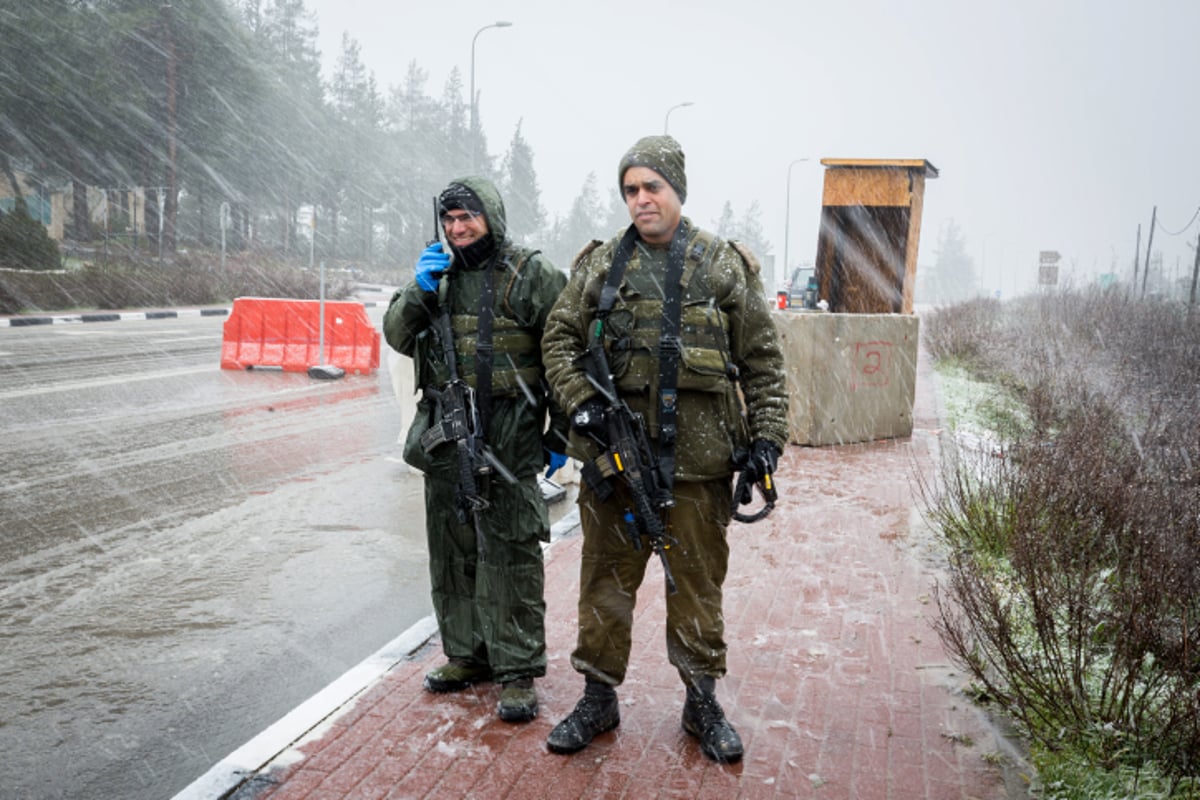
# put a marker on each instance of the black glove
(588, 419)
(764, 455)
(757, 466)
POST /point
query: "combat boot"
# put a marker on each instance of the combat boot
(518, 701)
(594, 714)
(704, 719)
(455, 675)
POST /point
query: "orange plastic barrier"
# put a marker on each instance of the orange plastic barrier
(267, 332)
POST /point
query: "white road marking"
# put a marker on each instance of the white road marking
(33, 391)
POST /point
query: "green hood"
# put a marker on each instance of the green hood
(493, 206)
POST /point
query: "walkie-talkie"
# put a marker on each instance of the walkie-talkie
(439, 232)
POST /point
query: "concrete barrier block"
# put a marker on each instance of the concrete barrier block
(851, 377)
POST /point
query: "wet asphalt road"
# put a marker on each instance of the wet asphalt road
(186, 553)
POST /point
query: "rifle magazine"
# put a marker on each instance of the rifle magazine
(597, 481)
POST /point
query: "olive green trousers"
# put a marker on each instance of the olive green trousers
(491, 610)
(611, 570)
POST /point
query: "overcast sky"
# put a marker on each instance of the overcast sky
(1055, 125)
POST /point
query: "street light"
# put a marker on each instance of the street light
(787, 217)
(667, 118)
(474, 109)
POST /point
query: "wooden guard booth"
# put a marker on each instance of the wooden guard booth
(870, 229)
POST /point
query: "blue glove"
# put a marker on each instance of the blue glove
(432, 264)
(557, 462)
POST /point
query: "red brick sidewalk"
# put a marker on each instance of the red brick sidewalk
(837, 683)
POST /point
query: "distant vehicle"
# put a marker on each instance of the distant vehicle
(802, 288)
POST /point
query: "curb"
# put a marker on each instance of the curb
(110, 316)
(279, 744)
(123, 316)
(312, 715)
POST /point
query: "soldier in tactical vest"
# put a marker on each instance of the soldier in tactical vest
(684, 323)
(472, 320)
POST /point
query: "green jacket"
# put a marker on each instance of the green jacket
(729, 342)
(526, 286)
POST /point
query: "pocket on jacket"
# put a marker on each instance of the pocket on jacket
(703, 370)
(414, 455)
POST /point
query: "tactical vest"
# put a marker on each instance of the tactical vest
(516, 352)
(634, 328)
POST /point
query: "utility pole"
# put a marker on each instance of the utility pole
(787, 226)
(170, 208)
(1149, 244)
(1137, 253)
(1195, 274)
(474, 132)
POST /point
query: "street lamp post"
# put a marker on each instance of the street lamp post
(474, 109)
(787, 217)
(667, 118)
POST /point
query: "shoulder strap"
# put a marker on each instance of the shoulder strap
(699, 255)
(483, 346)
(616, 272)
(670, 346)
(514, 268)
(670, 351)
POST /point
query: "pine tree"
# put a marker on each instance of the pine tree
(519, 187)
(568, 236)
(24, 243)
(415, 148)
(953, 278)
(617, 219)
(726, 226)
(457, 140)
(218, 88)
(57, 98)
(355, 184)
(291, 132)
(750, 230)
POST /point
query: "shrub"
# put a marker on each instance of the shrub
(965, 331)
(126, 283)
(24, 243)
(1073, 589)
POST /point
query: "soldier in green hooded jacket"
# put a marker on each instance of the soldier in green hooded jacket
(729, 397)
(485, 562)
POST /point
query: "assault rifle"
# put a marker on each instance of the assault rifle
(629, 457)
(461, 424)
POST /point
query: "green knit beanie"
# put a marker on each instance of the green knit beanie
(661, 154)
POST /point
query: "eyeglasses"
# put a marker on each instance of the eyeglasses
(464, 216)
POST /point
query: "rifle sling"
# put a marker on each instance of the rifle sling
(670, 346)
(484, 347)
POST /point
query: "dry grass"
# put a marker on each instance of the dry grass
(1073, 593)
